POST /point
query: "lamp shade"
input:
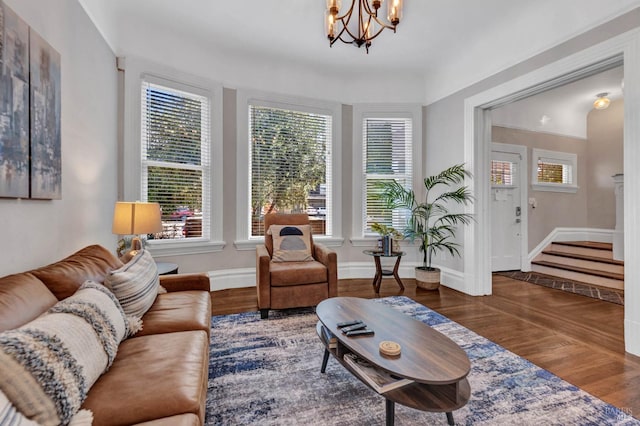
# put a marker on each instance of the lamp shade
(133, 218)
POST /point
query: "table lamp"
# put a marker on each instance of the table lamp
(136, 218)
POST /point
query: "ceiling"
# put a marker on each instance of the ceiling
(562, 110)
(451, 43)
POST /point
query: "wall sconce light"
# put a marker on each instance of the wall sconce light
(602, 102)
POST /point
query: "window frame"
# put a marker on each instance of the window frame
(567, 158)
(365, 111)
(246, 98)
(136, 71)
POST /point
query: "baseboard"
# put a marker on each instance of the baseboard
(452, 279)
(572, 234)
(246, 277)
(631, 333)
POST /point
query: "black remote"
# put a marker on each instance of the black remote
(354, 327)
(348, 323)
(361, 332)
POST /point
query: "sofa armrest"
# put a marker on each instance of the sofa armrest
(328, 258)
(181, 282)
(263, 276)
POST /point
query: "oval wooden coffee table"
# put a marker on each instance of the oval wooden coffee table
(436, 365)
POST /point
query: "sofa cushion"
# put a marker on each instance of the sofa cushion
(155, 376)
(48, 365)
(63, 278)
(179, 420)
(291, 243)
(23, 298)
(178, 311)
(136, 284)
(295, 273)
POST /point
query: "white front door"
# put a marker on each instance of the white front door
(506, 211)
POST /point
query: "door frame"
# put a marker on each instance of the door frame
(477, 123)
(523, 176)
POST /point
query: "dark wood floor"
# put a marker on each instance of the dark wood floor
(577, 338)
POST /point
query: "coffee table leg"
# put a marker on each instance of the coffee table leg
(391, 412)
(395, 273)
(450, 418)
(325, 358)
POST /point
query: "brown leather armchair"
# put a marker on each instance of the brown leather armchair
(284, 285)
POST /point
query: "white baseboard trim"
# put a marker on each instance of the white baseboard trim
(452, 279)
(631, 331)
(246, 277)
(572, 234)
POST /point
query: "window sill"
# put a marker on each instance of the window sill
(177, 248)
(251, 244)
(554, 187)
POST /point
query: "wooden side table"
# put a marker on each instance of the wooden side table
(377, 280)
(166, 268)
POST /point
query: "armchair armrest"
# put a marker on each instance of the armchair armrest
(328, 258)
(181, 282)
(263, 276)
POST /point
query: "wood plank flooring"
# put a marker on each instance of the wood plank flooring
(577, 338)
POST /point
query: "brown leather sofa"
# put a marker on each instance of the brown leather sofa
(282, 285)
(160, 375)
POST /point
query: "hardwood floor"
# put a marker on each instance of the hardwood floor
(577, 338)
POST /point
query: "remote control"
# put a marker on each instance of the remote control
(354, 327)
(361, 332)
(348, 323)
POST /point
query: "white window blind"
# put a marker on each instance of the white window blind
(502, 172)
(290, 166)
(554, 171)
(387, 148)
(175, 164)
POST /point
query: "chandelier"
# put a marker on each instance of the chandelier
(369, 25)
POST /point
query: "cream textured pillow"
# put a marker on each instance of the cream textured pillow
(291, 243)
(136, 284)
(10, 416)
(48, 365)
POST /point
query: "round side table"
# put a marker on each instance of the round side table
(377, 280)
(166, 268)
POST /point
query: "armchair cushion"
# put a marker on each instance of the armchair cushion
(297, 273)
(291, 243)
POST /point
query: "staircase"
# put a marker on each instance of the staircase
(586, 261)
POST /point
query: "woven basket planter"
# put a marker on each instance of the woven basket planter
(428, 280)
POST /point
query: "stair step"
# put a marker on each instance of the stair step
(586, 244)
(583, 257)
(605, 274)
(585, 248)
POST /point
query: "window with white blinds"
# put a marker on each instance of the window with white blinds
(175, 163)
(290, 166)
(554, 171)
(387, 155)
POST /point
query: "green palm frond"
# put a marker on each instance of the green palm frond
(431, 221)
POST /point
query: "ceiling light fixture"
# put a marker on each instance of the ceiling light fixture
(602, 102)
(369, 25)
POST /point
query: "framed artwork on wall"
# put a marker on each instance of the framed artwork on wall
(46, 150)
(14, 105)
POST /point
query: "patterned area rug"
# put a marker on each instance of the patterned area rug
(576, 287)
(267, 372)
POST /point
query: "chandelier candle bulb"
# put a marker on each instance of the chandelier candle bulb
(394, 11)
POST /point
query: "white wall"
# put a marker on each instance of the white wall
(35, 233)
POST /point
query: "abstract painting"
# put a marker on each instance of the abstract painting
(14, 105)
(46, 155)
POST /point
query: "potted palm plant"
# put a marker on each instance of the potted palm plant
(431, 221)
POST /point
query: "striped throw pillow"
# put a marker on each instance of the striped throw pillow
(48, 365)
(10, 416)
(136, 284)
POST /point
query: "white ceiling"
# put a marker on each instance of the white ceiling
(564, 109)
(451, 43)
